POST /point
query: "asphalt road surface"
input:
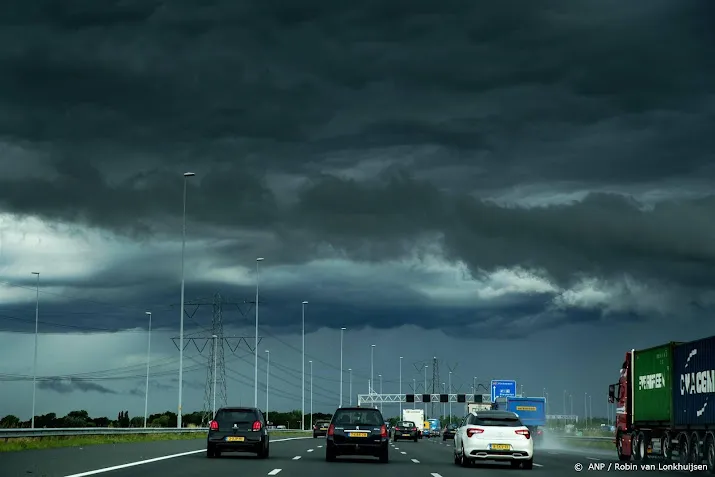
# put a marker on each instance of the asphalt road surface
(295, 458)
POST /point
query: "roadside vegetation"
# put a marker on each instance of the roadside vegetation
(31, 443)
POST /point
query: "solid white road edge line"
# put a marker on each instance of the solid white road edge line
(538, 465)
(158, 459)
(274, 471)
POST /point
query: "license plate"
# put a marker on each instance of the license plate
(499, 446)
(235, 439)
(323, 428)
(358, 434)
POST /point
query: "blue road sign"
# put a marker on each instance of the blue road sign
(501, 388)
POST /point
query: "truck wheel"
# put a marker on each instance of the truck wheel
(695, 456)
(619, 448)
(710, 453)
(683, 448)
(643, 444)
(636, 446)
(666, 447)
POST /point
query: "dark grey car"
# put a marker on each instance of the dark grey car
(357, 431)
(238, 429)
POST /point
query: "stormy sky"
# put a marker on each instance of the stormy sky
(522, 189)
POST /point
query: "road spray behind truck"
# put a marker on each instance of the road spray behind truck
(663, 403)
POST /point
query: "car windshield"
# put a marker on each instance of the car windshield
(496, 421)
(452, 426)
(237, 416)
(361, 417)
(406, 424)
(322, 423)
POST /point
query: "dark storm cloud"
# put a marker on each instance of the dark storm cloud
(116, 100)
(66, 386)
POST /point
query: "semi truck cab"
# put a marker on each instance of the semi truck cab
(618, 393)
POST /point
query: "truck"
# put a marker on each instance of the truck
(417, 416)
(435, 429)
(662, 403)
(531, 412)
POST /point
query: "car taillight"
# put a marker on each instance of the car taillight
(414, 428)
(524, 432)
(257, 426)
(539, 432)
(383, 431)
(474, 430)
(331, 429)
(213, 426)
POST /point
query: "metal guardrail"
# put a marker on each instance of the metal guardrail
(107, 431)
(583, 438)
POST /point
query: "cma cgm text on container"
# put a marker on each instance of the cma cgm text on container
(694, 384)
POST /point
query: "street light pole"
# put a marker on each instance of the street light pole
(215, 339)
(311, 393)
(425, 391)
(342, 330)
(350, 370)
(448, 399)
(148, 357)
(181, 311)
(400, 416)
(302, 399)
(380, 376)
(372, 368)
(414, 390)
(37, 328)
(268, 375)
(255, 349)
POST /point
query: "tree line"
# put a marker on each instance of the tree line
(81, 419)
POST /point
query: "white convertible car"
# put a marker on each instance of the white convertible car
(493, 435)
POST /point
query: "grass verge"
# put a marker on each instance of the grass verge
(31, 443)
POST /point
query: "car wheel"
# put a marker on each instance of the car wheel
(210, 452)
(315, 436)
(264, 452)
(444, 438)
(528, 464)
(515, 464)
(384, 457)
(463, 460)
(456, 457)
(329, 455)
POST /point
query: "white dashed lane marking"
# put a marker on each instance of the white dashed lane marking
(296, 457)
(592, 458)
(403, 453)
(415, 461)
(435, 475)
(310, 450)
(320, 447)
(274, 471)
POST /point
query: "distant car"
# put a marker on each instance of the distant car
(405, 430)
(320, 429)
(448, 432)
(493, 435)
(238, 429)
(357, 431)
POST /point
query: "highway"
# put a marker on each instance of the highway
(294, 457)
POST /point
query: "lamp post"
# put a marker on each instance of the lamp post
(37, 328)
(380, 376)
(181, 311)
(148, 357)
(414, 388)
(213, 407)
(425, 392)
(372, 368)
(342, 330)
(268, 375)
(311, 393)
(350, 370)
(401, 387)
(255, 349)
(448, 398)
(302, 399)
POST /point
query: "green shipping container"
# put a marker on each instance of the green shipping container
(652, 374)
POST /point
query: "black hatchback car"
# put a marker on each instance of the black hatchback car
(320, 428)
(357, 431)
(238, 429)
(406, 430)
(449, 432)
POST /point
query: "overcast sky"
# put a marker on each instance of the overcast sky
(522, 189)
